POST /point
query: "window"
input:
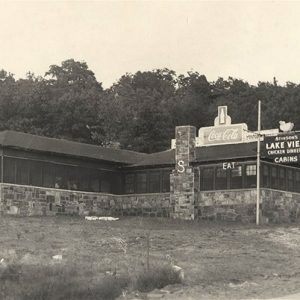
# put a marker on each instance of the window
(84, 179)
(281, 180)
(95, 184)
(105, 186)
(251, 170)
(266, 177)
(0, 169)
(129, 183)
(141, 183)
(48, 175)
(9, 170)
(297, 181)
(290, 180)
(73, 176)
(221, 179)
(94, 181)
(154, 182)
(61, 175)
(166, 181)
(236, 179)
(36, 173)
(207, 175)
(22, 171)
(274, 178)
(250, 176)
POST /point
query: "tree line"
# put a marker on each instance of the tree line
(138, 112)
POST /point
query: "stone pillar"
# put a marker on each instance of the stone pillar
(182, 179)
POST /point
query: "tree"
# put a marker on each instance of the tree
(139, 110)
(73, 101)
(192, 100)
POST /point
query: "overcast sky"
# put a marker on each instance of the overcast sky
(254, 41)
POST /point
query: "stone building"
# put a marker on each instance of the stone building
(209, 174)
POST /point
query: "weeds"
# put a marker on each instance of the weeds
(109, 288)
(123, 265)
(57, 282)
(11, 272)
(60, 282)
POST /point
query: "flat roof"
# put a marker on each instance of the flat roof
(203, 154)
(30, 142)
(26, 141)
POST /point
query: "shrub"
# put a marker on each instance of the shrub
(109, 288)
(62, 281)
(157, 278)
(11, 272)
(57, 282)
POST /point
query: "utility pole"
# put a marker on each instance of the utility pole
(258, 163)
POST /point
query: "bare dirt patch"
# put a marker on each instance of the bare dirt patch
(220, 261)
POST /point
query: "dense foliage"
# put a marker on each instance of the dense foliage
(139, 111)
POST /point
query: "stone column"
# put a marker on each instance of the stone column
(182, 179)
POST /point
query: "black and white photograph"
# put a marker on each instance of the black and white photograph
(149, 150)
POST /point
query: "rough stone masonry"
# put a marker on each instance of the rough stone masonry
(182, 181)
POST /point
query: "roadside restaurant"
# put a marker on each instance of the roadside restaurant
(210, 175)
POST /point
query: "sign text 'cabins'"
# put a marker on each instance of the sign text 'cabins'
(282, 148)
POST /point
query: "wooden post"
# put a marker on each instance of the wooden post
(2, 167)
(258, 164)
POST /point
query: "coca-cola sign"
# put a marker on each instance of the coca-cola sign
(227, 134)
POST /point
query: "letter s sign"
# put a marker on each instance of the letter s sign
(181, 167)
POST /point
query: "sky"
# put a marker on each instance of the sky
(253, 41)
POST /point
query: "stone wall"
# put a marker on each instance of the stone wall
(280, 206)
(29, 201)
(227, 205)
(240, 205)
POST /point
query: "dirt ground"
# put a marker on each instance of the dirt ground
(220, 261)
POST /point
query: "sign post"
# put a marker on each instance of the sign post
(258, 163)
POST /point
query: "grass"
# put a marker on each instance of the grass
(216, 258)
(60, 282)
(56, 283)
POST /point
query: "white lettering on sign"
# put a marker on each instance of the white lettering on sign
(228, 165)
(276, 145)
(293, 144)
(181, 167)
(286, 159)
(226, 135)
(282, 148)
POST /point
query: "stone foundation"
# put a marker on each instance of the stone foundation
(280, 206)
(240, 205)
(34, 201)
(227, 205)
